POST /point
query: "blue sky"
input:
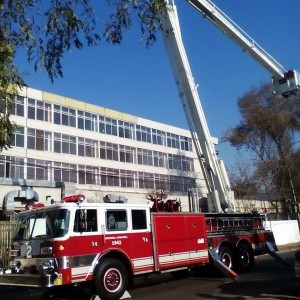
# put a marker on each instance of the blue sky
(136, 80)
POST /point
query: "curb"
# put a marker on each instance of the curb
(289, 247)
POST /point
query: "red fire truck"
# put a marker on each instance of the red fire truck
(108, 244)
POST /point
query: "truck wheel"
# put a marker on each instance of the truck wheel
(226, 256)
(111, 279)
(245, 259)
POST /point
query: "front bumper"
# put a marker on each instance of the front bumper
(30, 280)
(31, 273)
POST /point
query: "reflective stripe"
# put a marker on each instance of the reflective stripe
(182, 256)
(83, 266)
(143, 262)
(80, 271)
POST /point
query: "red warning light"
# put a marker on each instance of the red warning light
(74, 198)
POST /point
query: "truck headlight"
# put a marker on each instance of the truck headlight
(45, 267)
(46, 250)
(15, 266)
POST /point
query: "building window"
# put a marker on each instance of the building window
(48, 141)
(188, 183)
(30, 138)
(18, 140)
(161, 182)
(68, 144)
(127, 178)
(146, 180)
(40, 113)
(109, 151)
(39, 110)
(18, 107)
(108, 125)
(145, 157)
(185, 143)
(88, 174)
(38, 139)
(143, 134)
(31, 108)
(68, 116)
(17, 167)
(86, 121)
(158, 137)
(64, 143)
(88, 148)
(176, 183)
(181, 184)
(57, 142)
(11, 167)
(126, 129)
(127, 153)
(57, 114)
(38, 169)
(159, 159)
(174, 162)
(173, 140)
(2, 166)
(109, 177)
(65, 172)
(187, 164)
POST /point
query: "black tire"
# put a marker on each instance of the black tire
(226, 257)
(111, 279)
(245, 258)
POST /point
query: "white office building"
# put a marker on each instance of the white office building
(64, 146)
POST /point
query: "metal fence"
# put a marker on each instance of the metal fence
(6, 232)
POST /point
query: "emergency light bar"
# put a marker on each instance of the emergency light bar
(74, 199)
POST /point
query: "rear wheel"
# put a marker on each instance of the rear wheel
(111, 279)
(245, 258)
(226, 256)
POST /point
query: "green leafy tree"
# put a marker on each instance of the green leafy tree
(267, 130)
(46, 30)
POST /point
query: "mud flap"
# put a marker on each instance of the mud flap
(272, 252)
(221, 266)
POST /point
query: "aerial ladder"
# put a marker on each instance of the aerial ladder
(285, 82)
(220, 196)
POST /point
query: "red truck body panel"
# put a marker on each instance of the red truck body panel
(179, 240)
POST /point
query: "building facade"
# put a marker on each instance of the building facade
(64, 146)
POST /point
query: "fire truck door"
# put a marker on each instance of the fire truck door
(85, 243)
(142, 248)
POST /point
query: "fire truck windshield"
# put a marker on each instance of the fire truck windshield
(43, 225)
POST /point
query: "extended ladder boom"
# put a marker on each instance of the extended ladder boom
(284, 82)
(220, 194)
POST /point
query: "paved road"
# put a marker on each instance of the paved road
(268, 280)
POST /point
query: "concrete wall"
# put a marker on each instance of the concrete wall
(285, 232)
